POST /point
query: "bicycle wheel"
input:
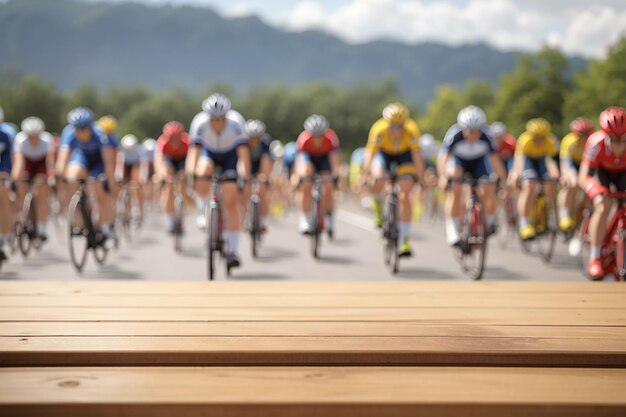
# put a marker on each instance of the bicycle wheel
(477, 241)
(28, 227)
(78, 235)
(178, 223)
(100, 254)
(317, 228)
(391, 236)
(254, 224)
(213, 244)
(547, 240)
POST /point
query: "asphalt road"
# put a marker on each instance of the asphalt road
(356, 253)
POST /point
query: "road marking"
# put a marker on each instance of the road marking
(357, 220)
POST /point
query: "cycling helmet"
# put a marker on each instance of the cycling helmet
(581, 126)
(108, 124)
(316, 124)
(80, 117)
(33, 126)
(217, 105)
(255, 128)
(497, 129)
(149, 144)
(471, 117)
(539, 127)
(428, 146)
(613, 121)
(129, 142)
(173, 128)
(396, 113)
(276, 149)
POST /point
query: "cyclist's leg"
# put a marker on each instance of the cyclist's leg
(597, 188)
(487, 192)
(406, 168)
(380, 167)
(265, 171)
(105, 203)
(136, 188)
(526, 198)
(453, 204)
(205, 166)
(6, 215)
(304, 168)
(231, 196)
(42, 191)
(323, 166)
(167, 194)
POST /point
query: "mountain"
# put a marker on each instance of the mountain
(72, 42)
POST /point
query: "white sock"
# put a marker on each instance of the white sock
(564, 212)
(523, 221)
(232, 241)
(330, 221)
(453, 224)
(595, 252)
(404, 231)
(106, 229)
(41, 228)
(491, 219)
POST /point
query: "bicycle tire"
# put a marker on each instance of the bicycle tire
(213, 244)
(77, 230)
(391, 236)
(28, 226)
(547, 241)
(255, 227)
(478, 241)
(316, 238)
(178, 223)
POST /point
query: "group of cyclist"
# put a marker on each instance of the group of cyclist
(221, 142)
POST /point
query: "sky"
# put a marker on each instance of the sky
(578, 27)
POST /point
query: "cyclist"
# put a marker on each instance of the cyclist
(394, 138)
(261, 164)
(7, 128)
(218, 141)
(169, 161)
(147, 173)
(88, 152)
(33, 157)
(129, 162)
(533, 162)
(603, 165)
(108, 124)
(571, 154)
(468, 148)
(318, 152)
(6, 215)
(505, 143)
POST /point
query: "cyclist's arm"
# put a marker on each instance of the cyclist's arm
(368, 157)
(18, 165)
(418, 162)
(64, 156)
(159, 164)
(497, 165)
(267, 165)
(108, 157)
(442, 161)
(553, 169)
(243, 153)
(50, 163)
(335, 163)
(584, 172)
(192, 158)
(119, 164)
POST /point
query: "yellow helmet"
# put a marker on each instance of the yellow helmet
(539, 127)
(396, 113)
(108, 124)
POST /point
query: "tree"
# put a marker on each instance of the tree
(33, 96)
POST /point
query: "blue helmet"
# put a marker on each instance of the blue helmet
(80, 117)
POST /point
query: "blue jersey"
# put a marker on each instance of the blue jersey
(91, 148)
(454, 143)
(9, 130)
(5, 152)
(263, 149)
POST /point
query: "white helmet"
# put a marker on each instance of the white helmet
(149, 144)
(255, 128)
(129, 142)
(276, 149)
(33, 126)
(471, 117)
(316, 124)
(217, 105)
(497, 129)
(428, 146)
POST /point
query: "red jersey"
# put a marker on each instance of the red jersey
(329, 144)
(168, 149)
(506, 150)
(598, 154)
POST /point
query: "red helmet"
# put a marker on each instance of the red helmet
(613, 121)
(172, 129)
(581, 126)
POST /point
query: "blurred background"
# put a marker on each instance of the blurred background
(151, 61)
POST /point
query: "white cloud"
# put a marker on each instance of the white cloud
(505, 24)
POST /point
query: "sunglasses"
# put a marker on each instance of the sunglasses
(396, 127)
(617, 139)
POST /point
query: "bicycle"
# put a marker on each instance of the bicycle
(253, 219)
(543, 217)
(128, 220)
(26, 228)
(216, 245)
(507, 217)
(390, 230)
(613, 249)
(177, 231)
(317, 220)
(471, 251)
(81, 227)
(582, 204)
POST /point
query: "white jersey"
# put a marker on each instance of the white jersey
(203, 134)
(132, 156)
(30, 152)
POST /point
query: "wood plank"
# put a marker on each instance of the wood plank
(245, 350)
(485, 316)
(311, 391)
(109, 287)
(438, 300)
(311, 328)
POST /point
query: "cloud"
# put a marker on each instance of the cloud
(504, 24)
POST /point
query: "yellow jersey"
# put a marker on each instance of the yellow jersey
(572, 147)
(380, 138)
(527, 146)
